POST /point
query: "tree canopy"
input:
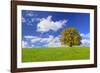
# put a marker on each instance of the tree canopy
(70, 37)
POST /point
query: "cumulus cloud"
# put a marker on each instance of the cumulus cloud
(31, 14)
(24, 44)
(54, 43)
(34, 19)
(85, 35)
(49, 41)
(85, 39)
(29, 37)
(50, 38)
(29, 21)
(34, 40)
(85, 42)
(47, 24)
(23, 20)
(27, 44)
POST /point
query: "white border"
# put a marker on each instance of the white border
(53, 63)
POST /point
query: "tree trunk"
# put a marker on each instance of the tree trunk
(70, 44)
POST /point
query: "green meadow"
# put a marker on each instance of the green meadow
(55, 54)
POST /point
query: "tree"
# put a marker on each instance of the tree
(70, 37)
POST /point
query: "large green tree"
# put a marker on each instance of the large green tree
(70, 37)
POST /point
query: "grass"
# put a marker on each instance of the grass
(55, 54)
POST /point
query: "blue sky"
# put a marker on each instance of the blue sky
(43, 28)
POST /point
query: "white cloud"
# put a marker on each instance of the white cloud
(33, 45)
(50, 38)
(41, 40)
(50, 41)
(23, 20)
(24, 44)
(31, 40)
(28, 37)
(85, 39)
(85, 42)
(30, 13)
(54, 43)
(34, 40)
(47, 24)
(85, 35)
(35, 19)
(27, 21)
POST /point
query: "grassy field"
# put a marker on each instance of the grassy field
(55, 54)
